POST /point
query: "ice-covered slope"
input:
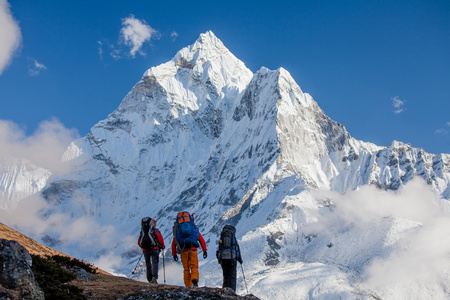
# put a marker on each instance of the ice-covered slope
(19, 179)
(202, 133)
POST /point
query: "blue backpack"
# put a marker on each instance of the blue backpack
(185, 232)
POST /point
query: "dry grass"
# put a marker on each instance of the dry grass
(31, 245)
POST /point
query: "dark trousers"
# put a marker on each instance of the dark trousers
(151, 262)
(229, 274)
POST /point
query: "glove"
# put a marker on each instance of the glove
(175, 258)
(205, 255)
(240, 260)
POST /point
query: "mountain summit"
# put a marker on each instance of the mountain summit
(202, 133)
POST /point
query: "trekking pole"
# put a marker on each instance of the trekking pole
(164, 269)
(245, 281)
(137, 263)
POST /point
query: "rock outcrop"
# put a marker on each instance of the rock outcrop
(16, 277)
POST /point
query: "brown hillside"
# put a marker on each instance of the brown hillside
(31, 245)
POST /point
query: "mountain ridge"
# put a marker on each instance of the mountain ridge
(204, 134)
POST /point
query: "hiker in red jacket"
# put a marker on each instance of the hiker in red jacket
(187, 247)
(151, 242)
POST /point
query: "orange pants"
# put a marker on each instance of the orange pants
(190, 265)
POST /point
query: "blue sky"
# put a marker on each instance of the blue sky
(381, 68)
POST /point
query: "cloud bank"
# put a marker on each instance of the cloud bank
(10, 35)
(43, 148)
(402, 237)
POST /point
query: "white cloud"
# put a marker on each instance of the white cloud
(35, 67)
(442, 131)
(135, 33)
(174, 35)
(399, 105)
(109, 262)
(44, 147)
(115, 53)
(10, 35)
(409, 227)
(75, 234)
(100, 49)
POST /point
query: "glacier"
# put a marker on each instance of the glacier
(203, 133)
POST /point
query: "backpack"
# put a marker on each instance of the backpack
(227, 244)
(185, 232)
(147, 236)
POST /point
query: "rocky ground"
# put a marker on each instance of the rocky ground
(15, 259)
(111, 287)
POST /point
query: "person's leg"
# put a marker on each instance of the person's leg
(186, 270)
(193, 264)
(154, 261)
(226, 270)
(148, 265)
(233, 275)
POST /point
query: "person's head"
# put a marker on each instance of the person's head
(146, 219)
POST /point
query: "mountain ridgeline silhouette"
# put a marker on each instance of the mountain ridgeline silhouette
(202, 133)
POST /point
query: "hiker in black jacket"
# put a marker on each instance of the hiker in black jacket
(151, 242)
(228, 254)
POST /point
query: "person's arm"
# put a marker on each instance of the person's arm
(174, 251)
(160, 239)
(174, 248)
(202, 242)
(238, 250)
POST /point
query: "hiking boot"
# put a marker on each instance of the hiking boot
(154, 280)
(195, 282)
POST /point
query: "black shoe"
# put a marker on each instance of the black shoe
(195, 282)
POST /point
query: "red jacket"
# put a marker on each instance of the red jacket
(200, 239)
(158, 237)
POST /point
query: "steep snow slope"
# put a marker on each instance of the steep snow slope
(202, 133)
(19, 179)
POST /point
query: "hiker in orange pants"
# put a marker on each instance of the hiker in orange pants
(188, 250)
(189, 259)
(190, 266)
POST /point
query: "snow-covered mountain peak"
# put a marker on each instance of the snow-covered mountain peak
(205, 47)
(204, 75)
(206, 62)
